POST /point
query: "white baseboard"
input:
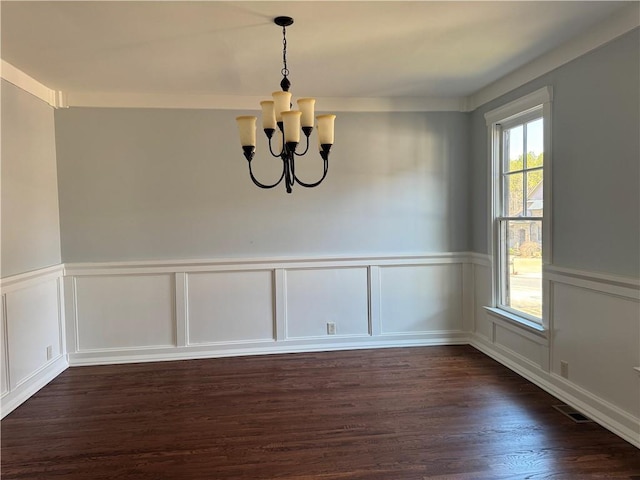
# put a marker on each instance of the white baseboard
(604, 413)
(16, 397)
(110, 357)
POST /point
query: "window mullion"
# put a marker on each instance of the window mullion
(538, 219)
(504, 190)
(525, 176)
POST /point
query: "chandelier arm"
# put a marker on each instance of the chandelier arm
(271, 149)
(305, 150)
(262, 185)
(311, 185)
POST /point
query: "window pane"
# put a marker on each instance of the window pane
(534, 193)
(535, 143)
(514, 148)
(514, 194)
(523, 262)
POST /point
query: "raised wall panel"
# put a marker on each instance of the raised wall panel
(520, 345)
(230, 306)
(125, 311)
(421, 298)
(598, 334)
(32, 325)
(317, 296)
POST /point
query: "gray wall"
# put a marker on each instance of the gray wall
(596, 160)
(30, 226)
(172, 184)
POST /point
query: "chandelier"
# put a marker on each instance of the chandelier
(278, 113)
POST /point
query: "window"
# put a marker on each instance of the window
(520, 218)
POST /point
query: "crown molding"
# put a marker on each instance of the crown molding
(17, 77)
(230, 102)
(621, 22)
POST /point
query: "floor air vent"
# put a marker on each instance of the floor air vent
(572, 413)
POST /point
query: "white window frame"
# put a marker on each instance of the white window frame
(537, 103)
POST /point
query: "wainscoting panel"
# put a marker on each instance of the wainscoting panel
(317, 296)
(598, 335)
(33, 348)
(178, 309)
(593, 326)
(529, 350)
(33, 326)
(421, 298)
(230, 307)
(125, 311)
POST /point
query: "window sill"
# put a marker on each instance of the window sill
(517, 321)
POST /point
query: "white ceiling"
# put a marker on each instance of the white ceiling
(335, 49)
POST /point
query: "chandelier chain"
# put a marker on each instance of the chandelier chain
(285, 70)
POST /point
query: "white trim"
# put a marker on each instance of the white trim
(375, 300)
(322, 339)
(70, 313)
(539, 100)
(181, 283)
(603, 412)
(520, 106)
(618, 24)
(229, 102)
(280, 304)
(547, 199)
(522, 326)
(200, 345)
(482, 259)
(266, 263)
(17, 77)
(4, 348)
(62, 327)
(604, 278)
(279, 268)
(600, 287)
(264, 347)
(28, 279)
(28, 387)
(468, 296)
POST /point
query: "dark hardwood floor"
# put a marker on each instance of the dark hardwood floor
(388, 414)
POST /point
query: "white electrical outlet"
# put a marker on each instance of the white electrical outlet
(564, 369)
(331, 328)
(49, 352)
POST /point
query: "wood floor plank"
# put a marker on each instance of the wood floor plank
(389, 414)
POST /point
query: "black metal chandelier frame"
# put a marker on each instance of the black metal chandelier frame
(288, 152)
